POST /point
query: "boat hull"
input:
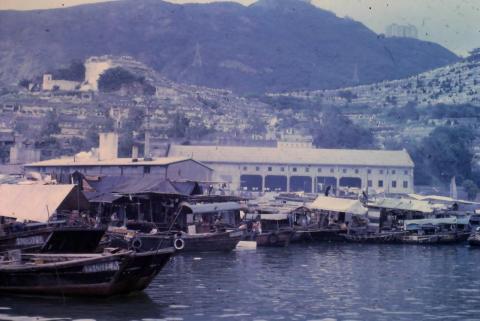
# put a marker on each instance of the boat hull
(208, 242)
(378, 238)
(97, 276)
(27, 240)
(451, 238)
(474, 240)
(275, 239)
(318, 235)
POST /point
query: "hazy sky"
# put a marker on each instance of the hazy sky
(452, 23)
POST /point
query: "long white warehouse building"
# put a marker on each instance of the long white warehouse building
(292, 168)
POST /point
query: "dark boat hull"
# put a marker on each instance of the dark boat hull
(204, 242)
(275, 239)
(373, 238)
(101, 276)
(25, 240)
(221, 241)
(453, 238)
(141, 242)
(318, 235)
(474, 239)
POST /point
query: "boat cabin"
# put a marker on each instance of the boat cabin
(270, 221)
(331, 212)
(434, 226)
(389, 214)
(208, 217)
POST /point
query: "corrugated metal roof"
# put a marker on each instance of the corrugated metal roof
(342, 205)
(307, 156)
(268, 217)
(213, 207)
(405, 205)
(34, 202)
(142, 184)
(437, 221)
(161, 161)
(437, 198)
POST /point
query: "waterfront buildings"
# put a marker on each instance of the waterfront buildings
(289, 168)
(105, 162)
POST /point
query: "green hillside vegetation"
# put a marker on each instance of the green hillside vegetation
(114, 79)
(73, 72)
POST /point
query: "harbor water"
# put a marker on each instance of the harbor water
(301, 282)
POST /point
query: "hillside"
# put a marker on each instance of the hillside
(455, 84)
(274, 46)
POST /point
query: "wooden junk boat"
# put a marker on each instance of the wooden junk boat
(102, 274)
(196, 227)
(447, 230)
(408, 221)
(314, 225)
(29, 213)
(207, 227)
(112, 272)
(328, 219)
(269, 229)
(148, 212)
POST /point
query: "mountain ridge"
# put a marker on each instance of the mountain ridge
(291, 45)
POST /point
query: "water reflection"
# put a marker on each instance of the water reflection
(133, 307)
(310, 282)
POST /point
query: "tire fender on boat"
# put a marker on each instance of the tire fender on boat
(137, 243)
(178, 244)
(273, 238)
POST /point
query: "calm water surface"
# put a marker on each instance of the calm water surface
(314, 282)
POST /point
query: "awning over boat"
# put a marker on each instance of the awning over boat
(403, 204)
(410, 224)
(38, 202)
(440, 199)
(212, 207)
(142, 185)
(268, 217)
(341, 205)
(106, 198)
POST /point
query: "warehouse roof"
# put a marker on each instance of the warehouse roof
(307, 156)
(70, 161)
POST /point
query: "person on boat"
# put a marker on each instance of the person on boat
(218, 223)
(257, 228)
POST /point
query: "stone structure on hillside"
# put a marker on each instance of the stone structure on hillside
(402, 31)
(94, 67)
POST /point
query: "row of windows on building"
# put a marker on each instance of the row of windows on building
(332, 170)
(380, 184)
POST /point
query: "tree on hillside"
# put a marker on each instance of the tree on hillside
(471, 188)
(50, 125)
(74, 72)
(113, 79)
(408, 112)
(337, 131)
(443, 154)
(131, 130)
(180, 126)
